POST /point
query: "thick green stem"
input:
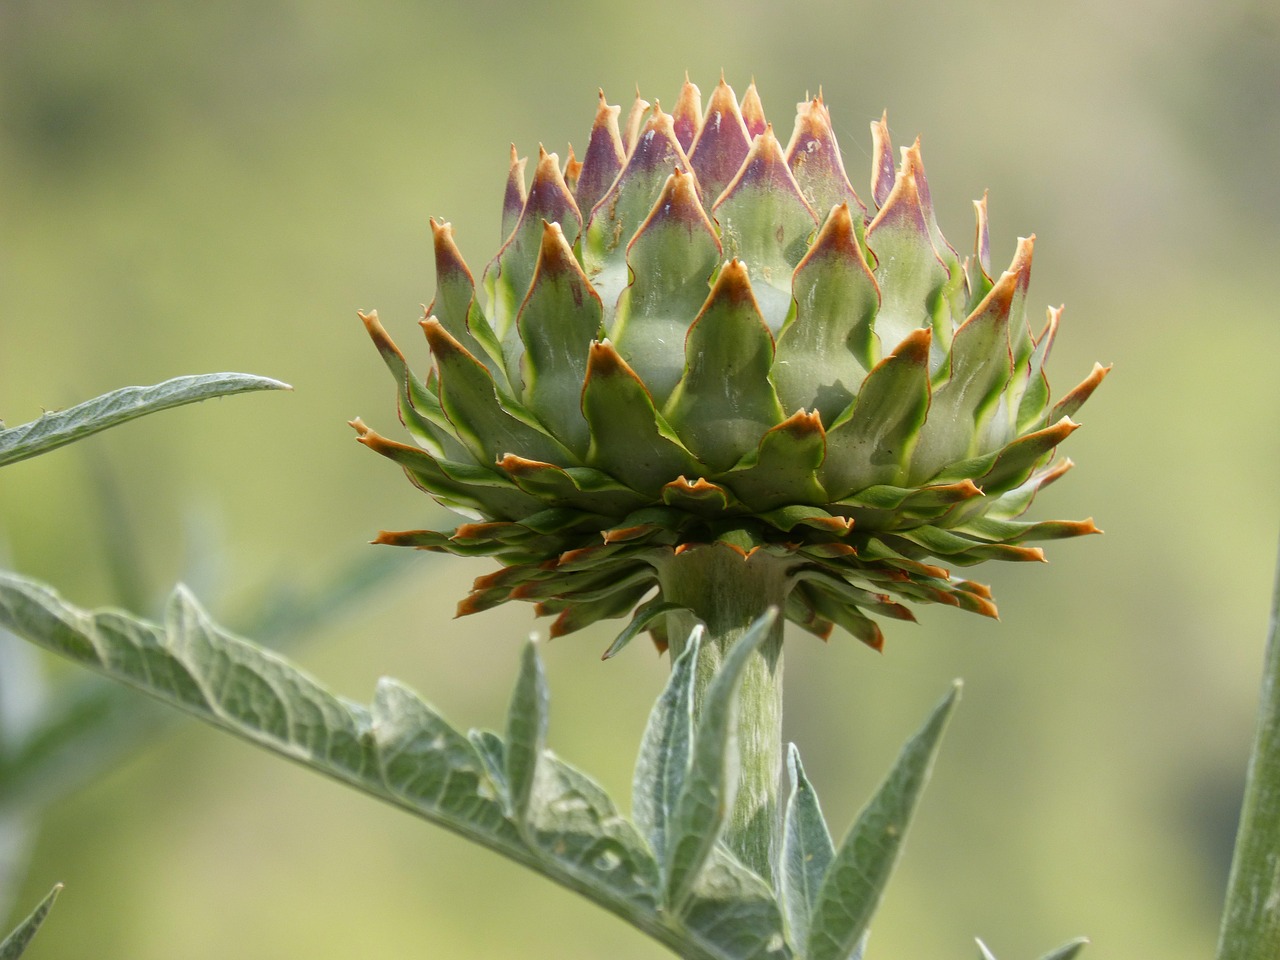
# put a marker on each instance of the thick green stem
(1251, 917)
(728, 592)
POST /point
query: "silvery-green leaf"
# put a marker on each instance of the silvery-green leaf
(401, 751)
(526, 730)
(90, 725)
(1068, 950)
(807, 850)
(61, 427)
(709, 786)
(494, 754)
(664, 750)
(572, 821)
(433, 769)
(15, 944)
(733, 912)
(858, 874)
(191, 663)
(1250, 921)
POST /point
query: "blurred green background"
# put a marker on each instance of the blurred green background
(189, 188)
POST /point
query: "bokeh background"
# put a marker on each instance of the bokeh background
(200, 187)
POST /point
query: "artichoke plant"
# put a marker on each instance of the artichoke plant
(698, 347)
(702, 379)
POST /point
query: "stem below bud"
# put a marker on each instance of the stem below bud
(728, 592)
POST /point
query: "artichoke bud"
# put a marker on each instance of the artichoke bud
(697, 336)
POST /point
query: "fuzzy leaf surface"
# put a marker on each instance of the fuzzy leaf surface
(572, 821)
(526, 731)
(15, 944)
(402, 751)
(709, 786)
(664, 750)
(85, 726)
(807, 850)
(734, 912)
(61, 427)
(857, 876)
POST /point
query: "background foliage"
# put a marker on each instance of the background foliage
(221, 187)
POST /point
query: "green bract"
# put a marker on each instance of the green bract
(697, 337)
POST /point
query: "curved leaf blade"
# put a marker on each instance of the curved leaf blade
(61, 427)
(857, 876)
(807, 850)
(191, 663)
(664, 750)
(15, 944)
(1068, 950)
(526, 731)
(398, 750)
(1250, 920)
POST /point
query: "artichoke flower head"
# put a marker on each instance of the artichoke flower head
(698, 337)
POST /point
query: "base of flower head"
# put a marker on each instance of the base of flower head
(840, 568)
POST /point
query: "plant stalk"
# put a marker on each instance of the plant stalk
(728, 592)
(1251, 917)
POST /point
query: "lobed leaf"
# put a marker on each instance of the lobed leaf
(574, 825)
(398, 749)
(733, 912)
(430, 767)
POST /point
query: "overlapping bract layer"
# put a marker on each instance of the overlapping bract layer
(698, 336)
